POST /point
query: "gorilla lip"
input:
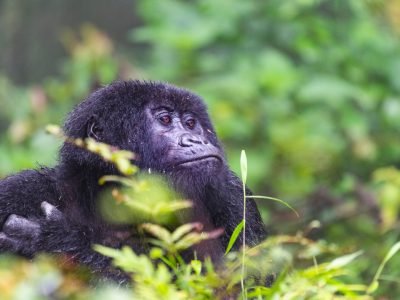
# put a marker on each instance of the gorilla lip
(200, 158)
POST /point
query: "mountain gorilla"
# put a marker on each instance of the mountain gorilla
(168, 128)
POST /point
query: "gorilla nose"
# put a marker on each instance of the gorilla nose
(188, 140)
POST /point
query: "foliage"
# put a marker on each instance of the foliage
(303, 64)
(323, 77)
(388, 190)
(164, 274)
(311, 88)
(91, 65)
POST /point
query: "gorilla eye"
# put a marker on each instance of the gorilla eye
(165, 119)
(190, 123)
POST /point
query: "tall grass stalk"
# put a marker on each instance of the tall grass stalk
(243, 168)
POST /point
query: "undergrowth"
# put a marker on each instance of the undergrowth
(302, 268)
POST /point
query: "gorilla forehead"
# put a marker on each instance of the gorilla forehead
(137, 94)
(127, 99)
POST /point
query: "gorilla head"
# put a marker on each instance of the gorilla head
(167, 128)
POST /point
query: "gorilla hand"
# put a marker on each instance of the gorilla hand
(22, 235)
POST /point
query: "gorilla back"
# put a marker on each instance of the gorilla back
(168, 129)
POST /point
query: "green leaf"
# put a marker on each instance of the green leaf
(275, 199)
(196, 265)
(373, 287)
(234, 236)
(158, 231)
(184, 229)
(54, 129)
(106, 251)
(118, 179)
(343, 260)
(374, 284)
(189, 240)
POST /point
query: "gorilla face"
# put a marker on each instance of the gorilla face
(167, 128)
(180, 142)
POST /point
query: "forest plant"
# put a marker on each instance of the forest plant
(164, 274)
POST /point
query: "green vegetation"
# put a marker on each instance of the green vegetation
(310, 89)
(163, 273)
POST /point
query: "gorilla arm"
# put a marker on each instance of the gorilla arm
(30, 225)
(53, 233)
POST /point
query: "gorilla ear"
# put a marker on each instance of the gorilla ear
(93, 129)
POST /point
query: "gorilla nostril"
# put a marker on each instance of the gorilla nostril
(205, 142)
(188, 140)
(184, 141)
(194, 140)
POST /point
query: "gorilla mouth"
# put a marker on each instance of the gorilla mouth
(199, 160)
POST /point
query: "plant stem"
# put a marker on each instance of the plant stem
(244, 242)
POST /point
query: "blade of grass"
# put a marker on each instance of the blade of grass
(344, 260)
(375, 284)
(234, 236)
(243, 169)
(275, 199)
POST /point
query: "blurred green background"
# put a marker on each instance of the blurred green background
(310, 89)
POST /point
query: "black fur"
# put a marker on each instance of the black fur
(119, 115)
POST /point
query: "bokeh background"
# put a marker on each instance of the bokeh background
(309, 88)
